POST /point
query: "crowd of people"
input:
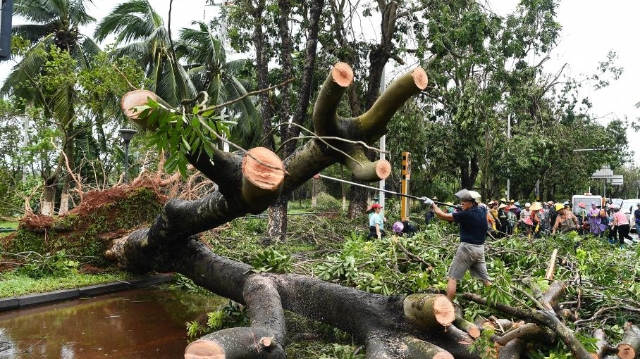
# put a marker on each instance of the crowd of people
(537, 219)
(499, 218)
(540, 219)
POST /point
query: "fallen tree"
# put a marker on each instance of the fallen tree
(407, 326)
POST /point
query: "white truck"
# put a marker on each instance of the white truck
(587, 199)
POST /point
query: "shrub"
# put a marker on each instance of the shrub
(325, 202)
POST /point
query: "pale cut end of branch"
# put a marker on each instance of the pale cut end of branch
(420, 78)
(133, 99)
(266, 342)
(342, 74)
(552, 265)
(204, 349)
(263, 168)
(443, 355)
(473, 331)
(383, 169)
(626, 351)
(443, 310)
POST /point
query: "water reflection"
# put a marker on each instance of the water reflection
(142, 323)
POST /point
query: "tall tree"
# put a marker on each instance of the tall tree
(141, 34)
(224, 81)
(272, 36)
(54, 27)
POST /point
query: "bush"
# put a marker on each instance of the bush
(325, 202)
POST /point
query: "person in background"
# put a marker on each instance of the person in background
(566, 221)
(553, 213)
(408, 229)
(583, 218)
(376, 222)
(543, 215)
(473, 233)
(612, 236)
(526, 222)
(636, 218)
(502, 217)
(493, 210)
(450, 208)
(536, 218)
(621, 222)
(512, 219)
(595, 220)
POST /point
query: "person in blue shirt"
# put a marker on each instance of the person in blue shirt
(376, 222)
(473, 232)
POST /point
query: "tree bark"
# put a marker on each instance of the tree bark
(629, 346)
(251, 182)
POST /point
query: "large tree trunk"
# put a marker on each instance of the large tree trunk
(250, 183)
(277, 226)
(49, 196)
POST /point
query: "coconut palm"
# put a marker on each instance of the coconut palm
(52, 27)
(140, 34)
(51, 23)
(209, 71)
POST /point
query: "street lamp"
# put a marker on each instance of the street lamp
(127, 135)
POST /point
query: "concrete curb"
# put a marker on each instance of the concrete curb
(30, 300)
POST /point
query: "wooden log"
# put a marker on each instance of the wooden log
(529, 332)
(375, 120)
(135, 98)
(324, 111)
(471, 328)
(629, 346)
(419, 349)
(552, 295)
(263, 174)
(512, 350)
(235, 343)
(429, 310)
(552, 265)
(363, 169)
(602, 347)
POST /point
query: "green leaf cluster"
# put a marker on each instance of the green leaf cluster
(270, 260)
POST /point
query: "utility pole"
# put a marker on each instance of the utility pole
(508, 138)
(383, 142)
(6, 16)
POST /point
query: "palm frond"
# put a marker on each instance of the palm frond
(36, 11)
(20, 81)
(78, 13)
(131, 21)
(31, 32)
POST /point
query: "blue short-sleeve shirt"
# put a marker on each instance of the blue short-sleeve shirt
(473, 224)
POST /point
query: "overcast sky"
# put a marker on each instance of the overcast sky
(591, 28)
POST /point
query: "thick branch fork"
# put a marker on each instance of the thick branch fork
(250, 182)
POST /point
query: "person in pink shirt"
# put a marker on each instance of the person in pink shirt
(622, 223)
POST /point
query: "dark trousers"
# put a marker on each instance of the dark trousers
(372, 233)
(623, 232)
(613, 234)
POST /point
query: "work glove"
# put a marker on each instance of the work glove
(427, 201)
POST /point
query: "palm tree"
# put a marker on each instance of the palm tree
(54, 26)
(141, 32)
(209, 71)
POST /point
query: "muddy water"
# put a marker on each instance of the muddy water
(137, 324)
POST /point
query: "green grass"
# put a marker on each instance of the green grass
(15, 285)
(6, 224)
